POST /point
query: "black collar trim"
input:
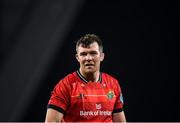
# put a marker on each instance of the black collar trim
(84, 79)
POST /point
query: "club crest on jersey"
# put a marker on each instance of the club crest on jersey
(110, 94)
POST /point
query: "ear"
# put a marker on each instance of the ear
(102, 56)
(77, 57)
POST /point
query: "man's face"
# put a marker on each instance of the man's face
(89, 58)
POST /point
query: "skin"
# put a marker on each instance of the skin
(53, 116)
(119, 117)
(89, 59)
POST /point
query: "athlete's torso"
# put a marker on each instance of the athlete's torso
(91, 101)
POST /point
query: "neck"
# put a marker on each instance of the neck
(91, 77)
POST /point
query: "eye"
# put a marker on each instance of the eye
(83, 54)
(93, 53)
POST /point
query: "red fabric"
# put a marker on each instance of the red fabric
(87, 102)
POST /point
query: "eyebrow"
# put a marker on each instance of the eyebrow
(88, 52)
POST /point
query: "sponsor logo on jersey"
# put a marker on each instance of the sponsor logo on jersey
(98, 106)
(110, 94)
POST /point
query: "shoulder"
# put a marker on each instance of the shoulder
(68, 79)
(109, 77)
(111, 82)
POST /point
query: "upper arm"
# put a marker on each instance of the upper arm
(58, 102)
(119, 103)
(53, 116)
(118, 113)
(119, 117)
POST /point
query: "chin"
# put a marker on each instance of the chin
(90, 71)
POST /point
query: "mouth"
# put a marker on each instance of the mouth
(89, 65)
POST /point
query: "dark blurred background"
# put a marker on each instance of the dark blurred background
(140, 43)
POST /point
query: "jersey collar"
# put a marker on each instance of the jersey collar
(84, 79)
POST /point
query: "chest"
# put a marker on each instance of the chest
(93, 96)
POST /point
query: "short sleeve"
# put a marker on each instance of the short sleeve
(59, 99)
(119, 99)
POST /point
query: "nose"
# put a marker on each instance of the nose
(89, 57)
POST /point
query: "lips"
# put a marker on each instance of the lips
(89, 64)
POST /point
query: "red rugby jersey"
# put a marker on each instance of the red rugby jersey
(83, 101)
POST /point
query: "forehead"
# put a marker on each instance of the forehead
(92, 47)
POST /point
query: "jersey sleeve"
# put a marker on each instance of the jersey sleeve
(59, 99)
(119, 99)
